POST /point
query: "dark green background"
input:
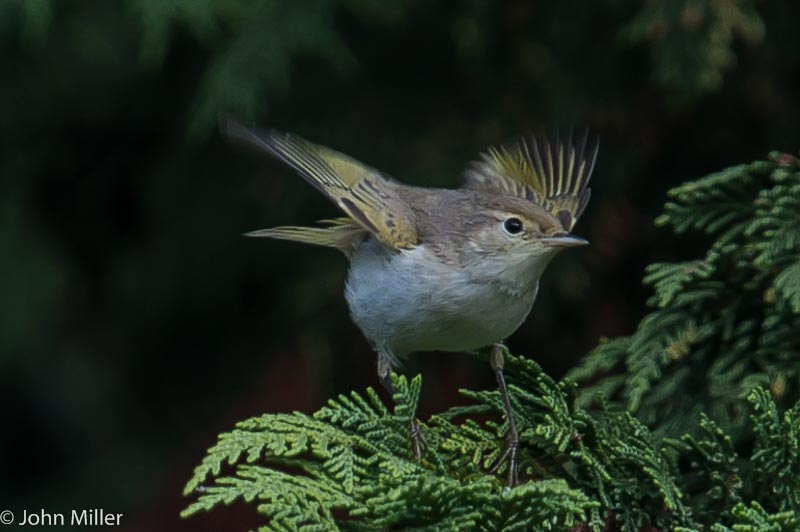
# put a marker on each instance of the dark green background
(136, 323)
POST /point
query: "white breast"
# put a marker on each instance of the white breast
(409, 301)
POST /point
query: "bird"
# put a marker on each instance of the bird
(434, 269)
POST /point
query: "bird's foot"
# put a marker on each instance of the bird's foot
(418, 441)
(509, 456)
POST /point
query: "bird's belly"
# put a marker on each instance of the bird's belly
(407, 306)
(478, 323)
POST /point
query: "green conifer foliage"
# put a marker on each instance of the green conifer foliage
(721, 324)
(351, 466)
(689, 433)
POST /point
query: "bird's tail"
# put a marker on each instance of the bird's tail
(342, 233)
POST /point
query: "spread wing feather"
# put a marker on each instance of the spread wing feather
(367, 196)
(553, 175)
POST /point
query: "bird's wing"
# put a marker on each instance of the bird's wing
(367, 196)
(341, 233)
(553, 175)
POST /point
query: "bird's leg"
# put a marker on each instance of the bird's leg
(386, 382)
(417, 437)
(512, 436)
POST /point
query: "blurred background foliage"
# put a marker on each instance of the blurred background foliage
(136, 323)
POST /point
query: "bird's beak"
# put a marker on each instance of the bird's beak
(566, 241)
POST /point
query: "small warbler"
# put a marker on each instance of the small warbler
(442, 269)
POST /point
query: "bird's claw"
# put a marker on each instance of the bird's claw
(509, 455)
(418, 440)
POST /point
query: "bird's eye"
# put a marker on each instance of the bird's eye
(513, 226)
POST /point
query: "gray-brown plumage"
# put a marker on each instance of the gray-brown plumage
(550, 179)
